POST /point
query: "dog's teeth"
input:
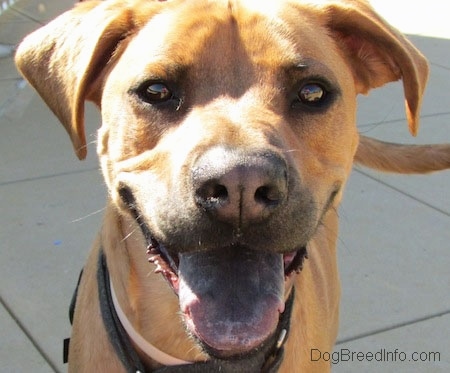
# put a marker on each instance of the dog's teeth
(153, 259)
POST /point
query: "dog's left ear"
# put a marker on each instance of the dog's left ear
(378, 53)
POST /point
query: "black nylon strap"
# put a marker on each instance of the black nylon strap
(73, 302)
(116, 333)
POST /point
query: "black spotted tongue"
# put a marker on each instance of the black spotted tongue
(231, 298)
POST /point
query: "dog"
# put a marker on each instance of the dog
(228, 134)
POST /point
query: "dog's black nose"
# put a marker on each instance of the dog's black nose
(237, 187)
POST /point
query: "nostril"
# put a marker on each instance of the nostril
(268, 195)
(219, 192)
(212, 194)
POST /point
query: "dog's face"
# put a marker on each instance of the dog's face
(231, 139)
(228, 134)
(210, 131)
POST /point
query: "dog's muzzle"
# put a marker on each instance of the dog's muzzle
(231, 296)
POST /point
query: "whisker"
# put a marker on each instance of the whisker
(88, 215)
(340, 240)
(291, 151)
(93, 142)
(133, 231)
(129, 235)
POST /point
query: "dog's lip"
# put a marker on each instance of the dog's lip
(164, 268)
(293, 261)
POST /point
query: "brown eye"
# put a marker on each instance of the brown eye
(156, 93)
(311, 93)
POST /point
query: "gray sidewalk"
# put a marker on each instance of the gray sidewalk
(393, 246)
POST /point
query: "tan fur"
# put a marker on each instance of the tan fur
(403, 159)
(98, 50)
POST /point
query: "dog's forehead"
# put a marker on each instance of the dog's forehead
(185, 32)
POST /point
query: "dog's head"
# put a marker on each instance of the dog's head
(228, 133)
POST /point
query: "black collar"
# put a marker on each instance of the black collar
(266, 360)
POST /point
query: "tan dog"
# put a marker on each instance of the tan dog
(228, 136)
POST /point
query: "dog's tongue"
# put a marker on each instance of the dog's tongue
(231, 298)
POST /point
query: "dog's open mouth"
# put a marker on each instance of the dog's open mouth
(230, 298)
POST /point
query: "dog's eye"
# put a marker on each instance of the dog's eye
(155, 93)
(312, 93)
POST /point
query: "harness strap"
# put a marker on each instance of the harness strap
(72, 305)
(116, 333)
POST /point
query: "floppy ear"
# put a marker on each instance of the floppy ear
(378, 53)
(63, 59)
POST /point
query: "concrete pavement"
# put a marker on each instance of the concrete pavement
(393, 247)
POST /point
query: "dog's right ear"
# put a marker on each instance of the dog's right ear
(63, 59)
